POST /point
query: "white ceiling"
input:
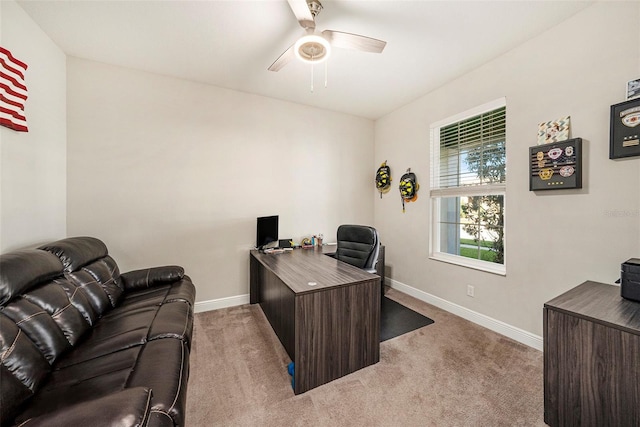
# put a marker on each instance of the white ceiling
(231, 43)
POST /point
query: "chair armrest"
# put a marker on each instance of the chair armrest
(128, 407)
(142, 279)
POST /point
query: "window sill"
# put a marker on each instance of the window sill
(475, 264)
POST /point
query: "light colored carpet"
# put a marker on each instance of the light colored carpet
(450, 373)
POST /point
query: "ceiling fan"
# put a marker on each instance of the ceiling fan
(315, 48)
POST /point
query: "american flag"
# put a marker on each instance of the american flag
(13, 92)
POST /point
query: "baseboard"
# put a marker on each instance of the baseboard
(498, 326)
(216, 304)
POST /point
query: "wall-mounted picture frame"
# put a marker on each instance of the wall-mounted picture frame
(554, 130)
(633, 89)
(556, 166)
(624, 140)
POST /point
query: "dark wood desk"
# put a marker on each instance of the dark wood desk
(329, 329)
(592, 358)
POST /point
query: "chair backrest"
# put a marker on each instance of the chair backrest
(359, 246)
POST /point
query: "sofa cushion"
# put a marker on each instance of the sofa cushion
(22, 368)
(88, 265)
(100, 284)
(39, 326)
(92, 290)
(174, 320)
(82, 382)
(22, 270)
(53, 299)
(161, 365)
(128, 407)
(183, 290)
(106, 272)
(76, 252)
(123, 328)
(80, 299)
(169, 383)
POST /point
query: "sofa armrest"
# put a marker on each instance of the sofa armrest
(130, 407)
(143, 279)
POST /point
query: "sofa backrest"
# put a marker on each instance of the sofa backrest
(87, 264)
(23, 269)
(49, 297)
(41, 318)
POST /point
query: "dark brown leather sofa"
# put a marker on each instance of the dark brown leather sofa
(83, 345)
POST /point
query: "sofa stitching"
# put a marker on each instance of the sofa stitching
(84, 284)
(186, 323)
(159, 411)
(143, 422)
(26, 319)
(179, 382)
(155, 316)
(66, 306)
(24, 422)
(61, 310)
(73, 295)
(102, 285)
(8, 351)
(113, 270)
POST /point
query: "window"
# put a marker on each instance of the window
(468, 188)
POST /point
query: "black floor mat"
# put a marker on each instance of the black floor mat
(396, 319)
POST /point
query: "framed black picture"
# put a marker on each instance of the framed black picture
(624, 140)
(556, 166)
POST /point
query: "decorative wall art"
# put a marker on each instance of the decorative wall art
(383, 178)
(556, 166)
(554, 131)
(13, 92)
(408, 188)
(633, 89)
(624, 140)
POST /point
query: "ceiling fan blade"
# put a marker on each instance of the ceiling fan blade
(354, 41)
(302, 13)
(283, 59)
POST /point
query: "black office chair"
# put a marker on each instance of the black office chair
(359, 246)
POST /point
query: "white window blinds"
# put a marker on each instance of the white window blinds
(470, 153)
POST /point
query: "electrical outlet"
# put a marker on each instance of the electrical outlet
(470, 290)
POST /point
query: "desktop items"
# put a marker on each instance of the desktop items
(266, 231)
(285, 243)
(630, 279)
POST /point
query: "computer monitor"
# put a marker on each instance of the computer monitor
(266, 230)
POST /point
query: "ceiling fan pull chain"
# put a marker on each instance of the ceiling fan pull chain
(311, 78)
(326, 68)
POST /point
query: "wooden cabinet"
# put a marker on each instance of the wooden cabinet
(592, 358)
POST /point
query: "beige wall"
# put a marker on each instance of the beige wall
(169, 171)
(555, 240)
(33, 164)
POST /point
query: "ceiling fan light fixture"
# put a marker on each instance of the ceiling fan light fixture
(312, 49)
